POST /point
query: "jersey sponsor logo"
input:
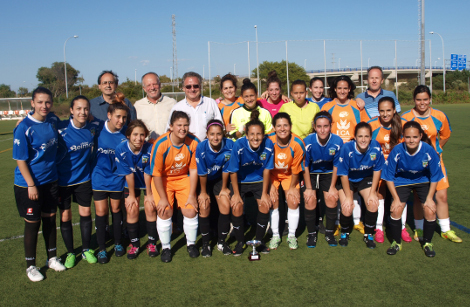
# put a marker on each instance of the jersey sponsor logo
(47, 145)
(177, 168)
(263, 156)
(361, 168)
(16, 142)
(281, 165)
(281, 156)
(29, 211)
(106, 151)
(332, 151)
(213, 169)
(83, 145)
(387, 137)
(227, 157)
(343, 114)
(179, 157)
(425, 127)
(425, 163)
(373, 156)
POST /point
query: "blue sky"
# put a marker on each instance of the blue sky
(124, 35)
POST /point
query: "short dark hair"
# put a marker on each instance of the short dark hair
(118, 106)
(334, 84)
(177, 115)
(78, 98)
(190, 74)
(421, 89)
(281, 115)
(316, 79)
(116, 78)
(298, 82)
(375, 67)
(42, 90)
(150, 73)
(362, 125)
(135, 124)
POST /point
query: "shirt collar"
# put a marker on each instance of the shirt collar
(101, 100)
(200, 102)
(158, 100)
(380, 93)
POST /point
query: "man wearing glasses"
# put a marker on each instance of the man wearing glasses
(199, 108)
(107, 83)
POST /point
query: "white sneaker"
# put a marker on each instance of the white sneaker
(55, 264)
(34, 274)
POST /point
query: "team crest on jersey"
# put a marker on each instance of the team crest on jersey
(425, 127)
(332, 151)
(343, 124)
(93, 131)
(343, 114)
(227, 157)
(263, 156)
(145, 159)
(373, 156)
(179, 157)
(281, 156)
(16, 142)
(425, 163)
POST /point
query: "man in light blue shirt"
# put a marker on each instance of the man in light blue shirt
(370, 98)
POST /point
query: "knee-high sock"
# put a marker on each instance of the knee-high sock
(356, 212)
(49, 232)
(67, 234)
(190, 229)
(380, 214)
(419, 224)
(330, 214)
(205, 228)
(370, 220)
(428, 230)
(403, 216)
(346, 223)
(238, 228)
(164, 232)
(223, 227)
(152, 232)
(293, 217)
(275, 221)
(85, 229)
(117, 227)
(30, 242)
(395, 227)
(100, 223)
(261, 224)
(310, 219)
(444, 224)
(133, 229)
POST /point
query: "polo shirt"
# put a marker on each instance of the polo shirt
(372, 104)
(99, 109)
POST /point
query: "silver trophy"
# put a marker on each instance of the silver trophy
(253, 256)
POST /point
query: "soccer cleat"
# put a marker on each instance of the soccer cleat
(152, 250)
(55, 264)
(70, 261)
(224, 248)
(331, 240)
(89, 256)
(103, 257)
(133, 252)
(369, 240)
(312, 240)
(405, 236)
(359, 227)
(274, 242)
(263, 249)
(34, 274)
(429, 250)
(119, 250)
(166, 255)
(337, 230)
(394, 248)
(418, 235)
(206, 251)
(451, 236)
(193, 251)
(292, 241)
(379, 236)
(239, 248)
(344, 239)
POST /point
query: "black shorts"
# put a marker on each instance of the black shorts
(100, 195)
(322, 182)
(361, 185)
(48, 200)
(214, 187)
(255, 188)
(421, 189)
(81, 193)
(137, 192)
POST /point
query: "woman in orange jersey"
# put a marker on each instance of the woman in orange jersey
(387, 130)
(174, 172)
(437, 127)
(228, 87)
(289, 153)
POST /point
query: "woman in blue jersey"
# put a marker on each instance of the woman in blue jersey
(133, 162)
(317, 88)
(413, 166)
(322, 155)
(359, 165)
(76, 139)
(249, 168)
(35, 186)
(105, 182)
(212, 158)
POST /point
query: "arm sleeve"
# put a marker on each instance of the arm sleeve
(192, 163)
(147, 169)
(157, 160)
(397, 104)
(343, 162)
(445, 131)
(234, 163)
(299, 158)
(200, 161)
(389, 169)
(435, 167)
(122, 164)
(20, 144)
(337, 152)
(380, 161)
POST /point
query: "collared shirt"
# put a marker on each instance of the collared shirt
(372, 104)
(206, 110)
(99, 109)
(155, 115)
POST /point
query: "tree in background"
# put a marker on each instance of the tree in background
(295, 72)
(6, 92)
(53, 78)
(23, 92)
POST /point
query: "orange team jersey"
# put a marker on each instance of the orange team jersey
(288, 160)
(173, 162)
(345, 118)
(226, 110)
(436, 125)
(382, 135)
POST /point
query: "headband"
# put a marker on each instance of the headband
(215, 123)
(322, 116)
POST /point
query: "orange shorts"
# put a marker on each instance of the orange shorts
(178, 188)
(444, 182)
(285, 183)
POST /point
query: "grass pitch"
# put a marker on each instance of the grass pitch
(322, 276)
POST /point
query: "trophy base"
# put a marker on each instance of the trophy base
(252, 257)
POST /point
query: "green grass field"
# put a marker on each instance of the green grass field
(322, 276)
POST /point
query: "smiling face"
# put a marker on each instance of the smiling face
(255, 135)
(323, 128)
(228, 90)
(137, 138)
(41, 104)
(363, 139)
(151, 86)
(215, 135)
(342, 90)
(117, 120)
(192, 89)
(180, 128)
(412, 138)
(108, 84)
(422, 101)
(386, 112)
(299, 92)
(317, 90)
(274, 92)
(249, 96)
(80, 111)
(282, 129)
(375, 80)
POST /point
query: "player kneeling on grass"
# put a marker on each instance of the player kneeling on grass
(360, 163)
(413, 166)
(35, 185)
(212, 158)
(174, 173)
(289, 152)
(249, 168)
(133, 162)
(322, 158)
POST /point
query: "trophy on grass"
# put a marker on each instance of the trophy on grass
(253, 256)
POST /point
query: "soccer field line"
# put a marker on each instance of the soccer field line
(6, 140)
(6, 150)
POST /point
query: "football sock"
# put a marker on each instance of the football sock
(49, 232)
(85, 228)
(356, 213)
(30, 242)
(204, 228)
(117, 227)
(164, 232)
(100, 224)
(190, 229)
(293, 217)
(223, 227)
(238, 228)
(370, 220)
(419, 224)
(346, 223)
(428, 230)
(152, 232)
(261, 224)
(330, 214)
(67, 234)
(275, 221)
(380, 214)
(445, 224)
(403, 216)
(310, 219)
(395, 227)
(133, 230)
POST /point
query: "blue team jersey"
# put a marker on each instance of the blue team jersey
(319, 158)
(74, 156)
(128, 162)
(104, 177)
(36, 143)
(405, 169)
(357, 165)
(250, 164)
(320, 103)
(213, 163)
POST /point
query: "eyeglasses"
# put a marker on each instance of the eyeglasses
(194, 86)
(108, 82)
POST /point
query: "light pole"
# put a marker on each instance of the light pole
(339, 63)
(443, 61)
(65, 66)
(171, 76)
(257, 59)
(135, 77)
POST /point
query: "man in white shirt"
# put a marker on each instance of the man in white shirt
(199, 108)
(155, 109)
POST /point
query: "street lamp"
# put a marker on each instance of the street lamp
(257, 59)
(65, 66)
(171, 76)
(443, 61)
